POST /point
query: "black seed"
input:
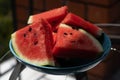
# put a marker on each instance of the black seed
(65, 34)
(30, 29)
(36, 42)
(70, 33)
(75, 27)
(24, 35)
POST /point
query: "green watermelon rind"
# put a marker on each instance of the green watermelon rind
(39, 62)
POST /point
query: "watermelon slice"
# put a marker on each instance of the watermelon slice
(74, 20)
(34, 43)
(54, 16)
(75, 43)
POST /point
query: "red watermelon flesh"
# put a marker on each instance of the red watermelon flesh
(53, 16)
(74, 20)
(34, 43)
(54, 37)
(72, 43)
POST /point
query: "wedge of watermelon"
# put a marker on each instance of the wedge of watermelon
(73, 43)
(34, 43)
(54, 16)
(74, 20)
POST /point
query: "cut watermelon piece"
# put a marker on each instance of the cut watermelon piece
(34, 43)
(74, 20)
(73, 43)
(54, 16)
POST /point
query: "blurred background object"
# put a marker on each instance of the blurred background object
(96, 11)
(6, 27)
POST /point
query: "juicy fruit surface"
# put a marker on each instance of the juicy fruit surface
(72, 43)
(74, 20)
(34, 43)
(54, 16)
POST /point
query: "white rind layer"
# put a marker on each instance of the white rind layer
(30, 19)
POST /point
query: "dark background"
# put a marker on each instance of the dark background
(6, 27)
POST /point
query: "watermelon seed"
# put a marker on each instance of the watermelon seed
(30, 29)
(70, 33)
(75, 27)
(65, 34)
(35, 42)
(24, 35)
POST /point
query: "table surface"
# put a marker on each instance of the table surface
(28, 72)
